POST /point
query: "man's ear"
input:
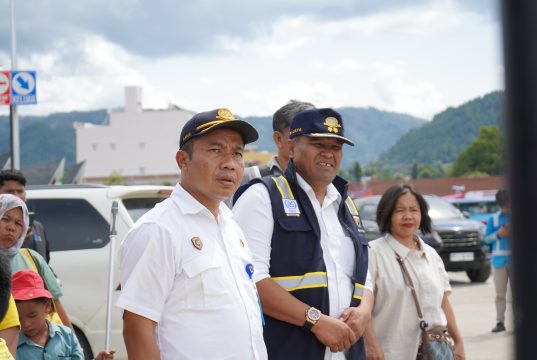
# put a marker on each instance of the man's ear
(277, 138)
(292, 144)
(181, 157)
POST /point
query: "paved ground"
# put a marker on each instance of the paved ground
(476, 315)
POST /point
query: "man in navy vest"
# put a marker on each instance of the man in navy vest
(309, 247)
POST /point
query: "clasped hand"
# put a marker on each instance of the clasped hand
(340, 334)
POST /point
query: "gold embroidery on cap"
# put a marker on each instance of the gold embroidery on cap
(225, 114)
(332, 123)
(196, 241)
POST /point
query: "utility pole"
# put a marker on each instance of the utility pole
(14, 121)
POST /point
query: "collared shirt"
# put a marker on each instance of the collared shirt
(274, 166)
(189, 273)
(61, 344)
(253, 212)
(395, 318)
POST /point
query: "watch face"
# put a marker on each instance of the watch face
(314, 314)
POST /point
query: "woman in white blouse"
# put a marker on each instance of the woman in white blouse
(394, 332)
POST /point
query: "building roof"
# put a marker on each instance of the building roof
(50, 172)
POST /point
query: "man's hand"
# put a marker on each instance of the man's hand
(357, 318)
(334, 333)
(106, 355)
(504, 231)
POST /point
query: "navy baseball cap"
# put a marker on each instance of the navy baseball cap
(204, 122)
(319, 123)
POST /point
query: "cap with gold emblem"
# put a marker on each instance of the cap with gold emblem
(321, 123)
(203, 122)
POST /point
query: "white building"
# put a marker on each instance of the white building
(136, 144)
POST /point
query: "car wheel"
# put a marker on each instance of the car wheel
(480, 275)
(86, 348)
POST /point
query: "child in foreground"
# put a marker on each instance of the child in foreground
(40, 338)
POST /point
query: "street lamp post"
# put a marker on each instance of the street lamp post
(14, 121)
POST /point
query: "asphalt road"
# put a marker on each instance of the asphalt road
(476, 315)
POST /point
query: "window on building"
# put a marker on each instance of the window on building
(142, 170)
(141, 145)
(112, 146)
(94, 147)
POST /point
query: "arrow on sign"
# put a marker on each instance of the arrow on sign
(23, 84)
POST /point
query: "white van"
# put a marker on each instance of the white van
(77, 223)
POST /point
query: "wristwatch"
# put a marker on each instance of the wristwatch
(312, 316)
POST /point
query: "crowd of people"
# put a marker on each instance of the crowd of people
(267, 262)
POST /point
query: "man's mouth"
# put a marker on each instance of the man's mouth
(324, 164)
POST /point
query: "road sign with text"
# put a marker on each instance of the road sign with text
(23, 85)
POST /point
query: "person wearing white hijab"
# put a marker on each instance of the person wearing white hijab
(13, 227)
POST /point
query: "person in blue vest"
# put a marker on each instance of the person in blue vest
(498, 236)
(309, 247)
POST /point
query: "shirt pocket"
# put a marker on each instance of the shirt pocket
(207, 282)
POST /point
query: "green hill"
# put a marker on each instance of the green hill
(450, 132)
(373, 131)
(44, 138)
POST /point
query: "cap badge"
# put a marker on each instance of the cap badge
(225, 114)
(332, 123)
(241, 242)
(196, 241)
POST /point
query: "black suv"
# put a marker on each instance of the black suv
(458, 240)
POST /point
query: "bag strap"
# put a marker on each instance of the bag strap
(29, 258)
(410, 284)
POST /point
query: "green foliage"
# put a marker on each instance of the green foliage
(483, 156)
(357, 171)
(429, 172)
(115, 178)
(449, 133)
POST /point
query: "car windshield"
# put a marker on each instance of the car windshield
(369, 212)
(139, 206)
(441, 210)
(478, 207)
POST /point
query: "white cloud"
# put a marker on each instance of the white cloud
(416, 60)
(419, 98)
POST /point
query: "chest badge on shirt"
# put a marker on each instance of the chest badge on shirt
(196, 241)
(291, 207)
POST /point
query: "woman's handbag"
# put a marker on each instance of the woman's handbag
(436, 344)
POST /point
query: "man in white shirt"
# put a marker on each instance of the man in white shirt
(186, 270)
(309, 247)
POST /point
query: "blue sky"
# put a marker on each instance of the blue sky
(416, 57)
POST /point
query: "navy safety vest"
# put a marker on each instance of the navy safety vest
(297, 265)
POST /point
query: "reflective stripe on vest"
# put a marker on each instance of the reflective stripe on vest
(501, 252)
(290, 205)
(351, 206)
(358, 291)
(306, 281)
